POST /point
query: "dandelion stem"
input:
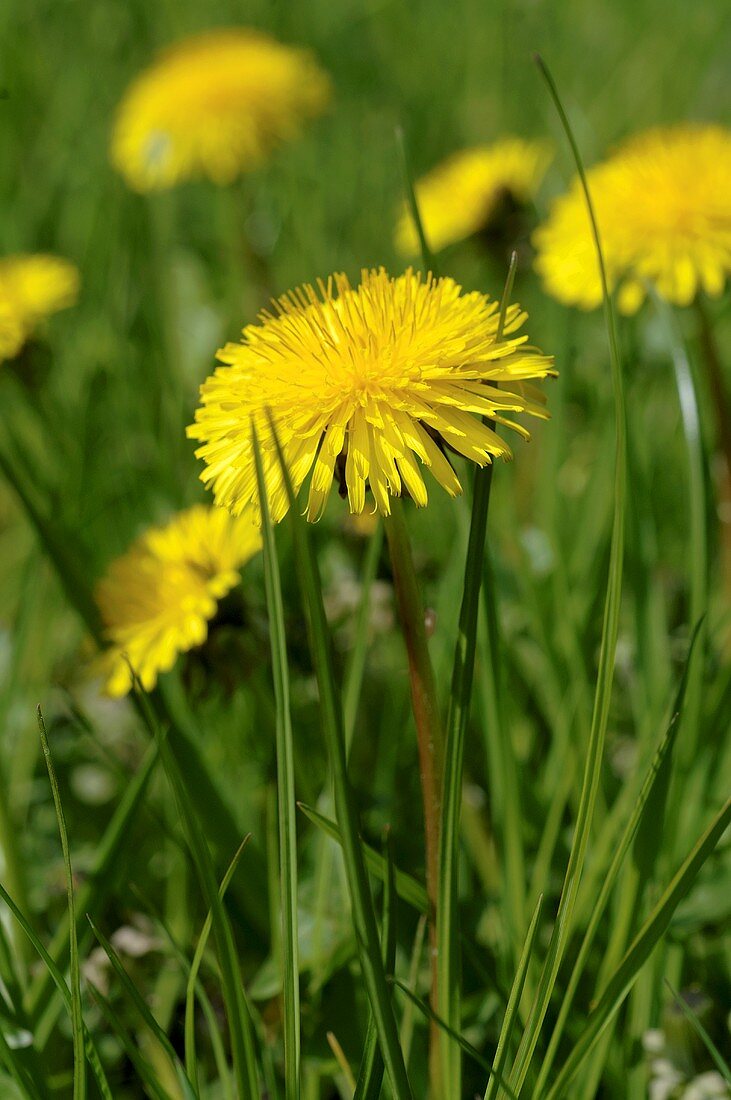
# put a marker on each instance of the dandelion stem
(429, 733)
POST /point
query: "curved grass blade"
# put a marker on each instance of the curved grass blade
(91, 894)
(646, 940)
(190, 1055)
(140, 1004)
(370, 1077)
(77, 1019)
(648, 814)
(237, 1009)
(145, 1072)
(511, 1012)
(286, 809)
(408, 888)
(705, 1038)
(59, 981)
(610, 626)
(460, 698)
(364, 918)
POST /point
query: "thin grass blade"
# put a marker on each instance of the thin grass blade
(77, 1018)
(190, 1055)
(610, 626)
(511, 1012)
(364, 918)
(646, 940)
(286, 807)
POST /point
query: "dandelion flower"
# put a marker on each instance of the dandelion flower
(32, 287)
(360, 383)
(157, 599)
(663, 207)
(214, 106)
(464, 193)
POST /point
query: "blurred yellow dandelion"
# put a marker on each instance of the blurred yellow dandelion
(360, 383)
(463, 193)
(157, 599)
(32, 287)
(214, 106)
(663, 206)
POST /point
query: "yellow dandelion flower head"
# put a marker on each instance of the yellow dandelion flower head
(362, 382)
(157, 599)
(32, 287)
(460, 195)
(663, 207)
(214, 105)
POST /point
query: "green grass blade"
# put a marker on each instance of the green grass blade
(93, 892)
(511, 1012)
(429, 1014)
(610, 626)
(146, 1074)
(191, 1064)
(286, 807)
(692, 1018)
(408, 888)
(353, 678)
(427, 256)
(237, 1009)
(57, 979)
(370, 1076)
(141, 1005)
(364, 918)
(77, 1019)
(640, 950)
(460, 698)
(646, 818)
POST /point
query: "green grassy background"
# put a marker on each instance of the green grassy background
(95, 415)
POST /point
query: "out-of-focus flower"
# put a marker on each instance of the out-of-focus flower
(214, 106)
(360, 383)
(157, 599)
(663, 207)
(707, 1086)
(32, 287)
(464, 193)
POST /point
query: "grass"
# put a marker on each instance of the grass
(585, 868)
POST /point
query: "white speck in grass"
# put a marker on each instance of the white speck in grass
(157, 149)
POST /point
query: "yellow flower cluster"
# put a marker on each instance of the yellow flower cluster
(157, 599)
(663, 206)
(462, 194)
(214, 105)
(361, 383)
(32, 287)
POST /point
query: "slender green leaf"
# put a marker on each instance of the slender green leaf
(190, 1054)
(77, 1018)
(142, 1008)
(640, 950)
(705, 1038)
(285, 793)
(361, 901)
(649, 804)
(595, 751)
(460, 698)
(370, 1077)
(511, 1012)
(237, 1010)
(408, 888)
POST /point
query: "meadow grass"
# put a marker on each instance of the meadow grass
(197, 897)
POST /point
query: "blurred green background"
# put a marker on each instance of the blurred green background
(166, 279)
